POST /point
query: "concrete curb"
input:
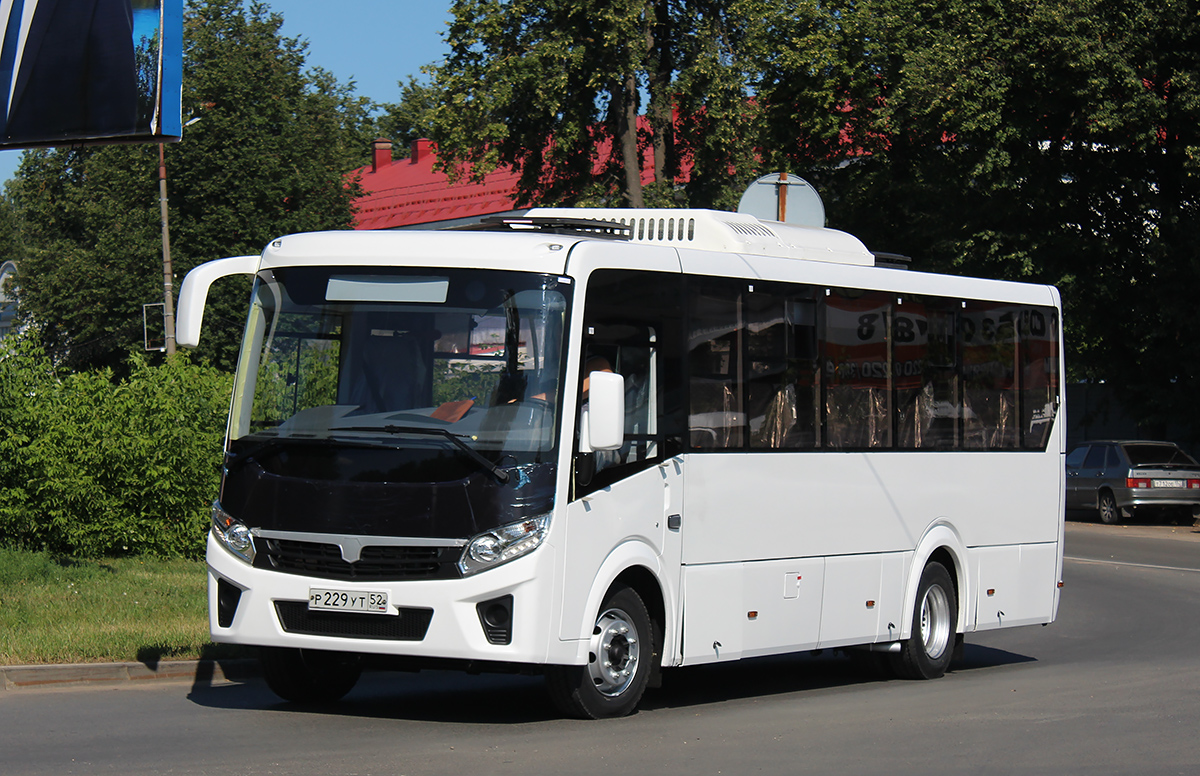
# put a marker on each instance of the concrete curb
(202, 672)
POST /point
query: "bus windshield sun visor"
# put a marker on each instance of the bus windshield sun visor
(387, 288)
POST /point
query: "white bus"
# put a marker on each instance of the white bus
(783, 446)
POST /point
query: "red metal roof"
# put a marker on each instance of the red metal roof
(406, 192)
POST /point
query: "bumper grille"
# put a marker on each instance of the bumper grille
(408, 625)
(383, 563)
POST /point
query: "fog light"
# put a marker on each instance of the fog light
(496, 618)
(228, 597)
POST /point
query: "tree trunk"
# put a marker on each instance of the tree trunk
(627, 139)
(661, 66)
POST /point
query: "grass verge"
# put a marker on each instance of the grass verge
(55, 610)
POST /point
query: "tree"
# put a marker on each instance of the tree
(1049, 142)
(91, 253)
(408, 120)
(266, 157)
(571, 96)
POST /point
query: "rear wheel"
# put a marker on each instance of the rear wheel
(1109, 514)
(927, 652)
(620, 653)
(309, 675)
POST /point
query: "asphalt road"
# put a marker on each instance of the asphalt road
(1111, 687)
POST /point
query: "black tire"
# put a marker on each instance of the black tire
(621, 655)
(926, 654)
(308, 675)
(1108, 511)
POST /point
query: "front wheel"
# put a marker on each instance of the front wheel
(309, 675)
(620, 654)
(927, 652)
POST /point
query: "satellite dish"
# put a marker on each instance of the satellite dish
(783, 197)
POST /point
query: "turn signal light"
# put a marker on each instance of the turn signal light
(1193, 483)
(1137, 482)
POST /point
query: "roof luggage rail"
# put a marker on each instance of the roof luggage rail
(586, 227)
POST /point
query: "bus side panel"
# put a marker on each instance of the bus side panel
(1017, 585)
(712, 599)
(734, 610)
(760, 506)
(864, 598)
(781, 605)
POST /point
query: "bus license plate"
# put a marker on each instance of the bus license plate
(363, 601)
(1166, 483)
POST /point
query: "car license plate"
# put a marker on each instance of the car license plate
(362, 601)
(1167, 483)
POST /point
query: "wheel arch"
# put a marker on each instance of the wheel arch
(635, 565)
(942, 544)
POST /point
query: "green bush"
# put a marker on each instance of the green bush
(96, 467)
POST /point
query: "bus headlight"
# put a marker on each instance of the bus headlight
(503, 544)
(232, 533)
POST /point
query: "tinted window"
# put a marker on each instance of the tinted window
(1075, 457)
(1095, 457)
(779, 366)
(633, 321)
(1146, 455)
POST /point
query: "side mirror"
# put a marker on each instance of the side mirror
(605, 418)
(194, 293)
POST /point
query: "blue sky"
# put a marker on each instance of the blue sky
(377, 43)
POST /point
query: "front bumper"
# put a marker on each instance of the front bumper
(454, 631)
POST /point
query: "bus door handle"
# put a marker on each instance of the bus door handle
(674, 521)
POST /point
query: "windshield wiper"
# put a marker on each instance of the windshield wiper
(233, 460)
(472, 453)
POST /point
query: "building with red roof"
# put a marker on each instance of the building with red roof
(406, 193)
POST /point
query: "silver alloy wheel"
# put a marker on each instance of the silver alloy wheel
(615, 650)
(1108, 509)
(935, 622)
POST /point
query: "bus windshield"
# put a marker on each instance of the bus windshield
(443, 373)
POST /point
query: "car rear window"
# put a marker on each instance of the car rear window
(1149, 455)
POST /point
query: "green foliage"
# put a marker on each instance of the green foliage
(457, 382)
(407, 120)
(554, 90)
(1050, 142)
(301, 374)
(91, 466)
(92, 256)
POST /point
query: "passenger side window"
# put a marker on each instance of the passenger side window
(634, 321)
(858, 376)
(989, 350)
(1095, 457)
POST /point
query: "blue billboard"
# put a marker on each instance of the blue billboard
(90, 71)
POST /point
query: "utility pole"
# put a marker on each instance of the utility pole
(168, 280)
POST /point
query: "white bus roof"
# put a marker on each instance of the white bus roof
(713, 230)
